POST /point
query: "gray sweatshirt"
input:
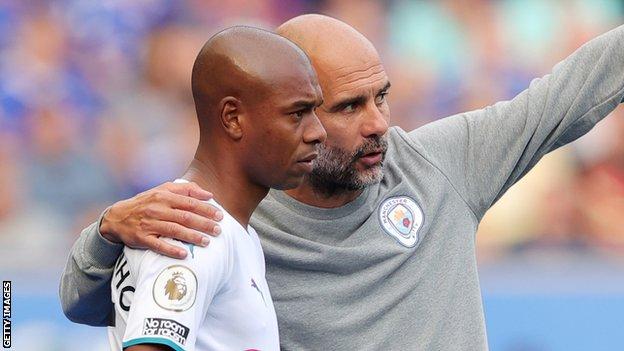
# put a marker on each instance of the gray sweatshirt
(395, 269)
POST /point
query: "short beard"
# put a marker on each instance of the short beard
(335, 168)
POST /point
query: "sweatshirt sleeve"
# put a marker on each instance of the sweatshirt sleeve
(484, 152)
(85, 284)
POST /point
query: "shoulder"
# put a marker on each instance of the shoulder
(399, 139)
(440, 134)
(198, 258)
(220, 251)
(401, 145)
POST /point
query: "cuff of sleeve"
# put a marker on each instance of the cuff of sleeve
(152, 340)
(98, 250)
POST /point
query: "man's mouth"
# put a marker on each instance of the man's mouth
(309, 158)
(306, 162)
(372, 158)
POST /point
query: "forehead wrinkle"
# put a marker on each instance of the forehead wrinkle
(289, 97)
(345, 85)
(375, 68)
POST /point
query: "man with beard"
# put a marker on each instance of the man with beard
(358, 258)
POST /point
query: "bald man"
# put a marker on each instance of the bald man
(255, 94)
(370, 258)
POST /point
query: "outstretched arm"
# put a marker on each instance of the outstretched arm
(169, 210)
(485, 152)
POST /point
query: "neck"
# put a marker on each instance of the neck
(227, 182)
(307, 194)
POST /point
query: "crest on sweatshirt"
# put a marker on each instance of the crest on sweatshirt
(401, 217)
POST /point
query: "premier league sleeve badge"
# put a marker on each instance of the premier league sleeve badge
(175, 288)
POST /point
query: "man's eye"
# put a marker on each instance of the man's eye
(379, 99)
(348, 108)
(298, 114)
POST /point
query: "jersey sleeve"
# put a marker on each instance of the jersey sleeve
(484, 152)
(172, 296)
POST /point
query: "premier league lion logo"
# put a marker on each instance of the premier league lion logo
(175, 289)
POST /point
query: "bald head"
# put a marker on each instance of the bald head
(242, 63)
(330, 43)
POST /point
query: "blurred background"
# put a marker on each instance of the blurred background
(95, 106)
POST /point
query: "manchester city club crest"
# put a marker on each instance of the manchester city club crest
(401, 217)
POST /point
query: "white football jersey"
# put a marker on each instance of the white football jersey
(215, 299)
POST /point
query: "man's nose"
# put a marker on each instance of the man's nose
(375, 122)
(314, 132)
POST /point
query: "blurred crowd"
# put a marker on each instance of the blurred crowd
(95, 105)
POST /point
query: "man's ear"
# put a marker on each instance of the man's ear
(231, 111)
